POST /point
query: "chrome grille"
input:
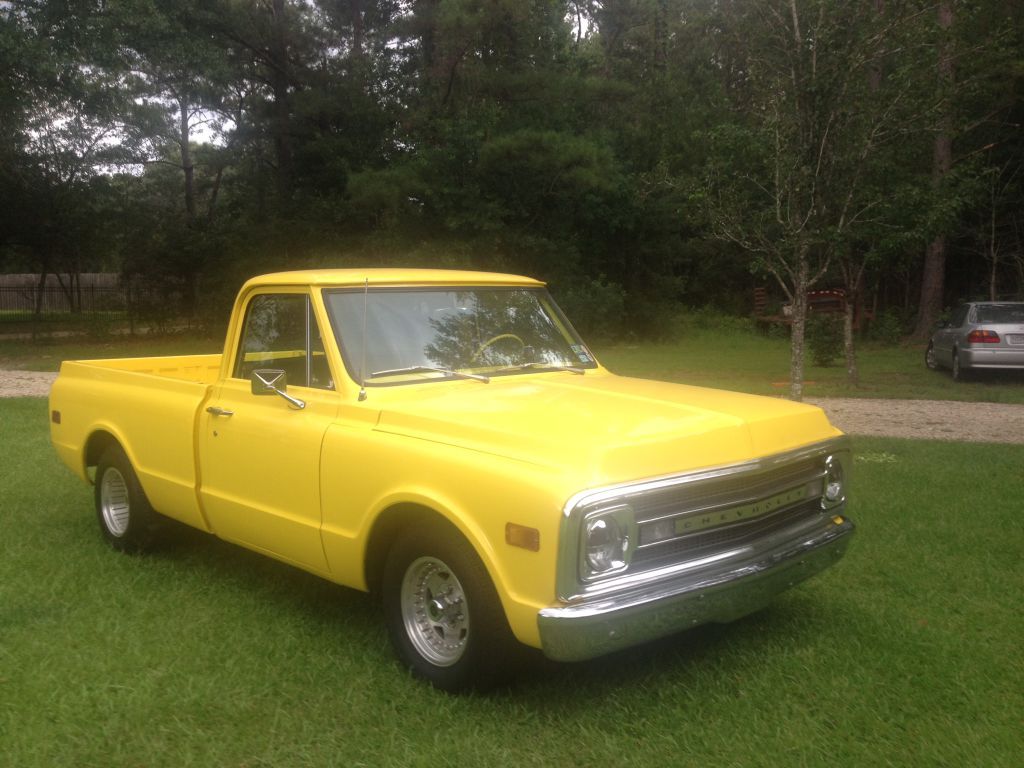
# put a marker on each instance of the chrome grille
(682, 519)
(721, 492)
(722, 498)
(719, 539)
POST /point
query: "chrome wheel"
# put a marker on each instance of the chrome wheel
(126, 519)
(114, 502)
(443, 614)
(435, 611)
(929, 358)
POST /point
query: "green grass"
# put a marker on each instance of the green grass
(751, 363)
(907, 653)
(47, 354)
(730, 359)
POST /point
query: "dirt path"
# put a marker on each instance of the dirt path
(920, 419)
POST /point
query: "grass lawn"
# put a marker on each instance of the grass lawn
(751, 363)
(47, 354)
(732, 359)
(907, 653)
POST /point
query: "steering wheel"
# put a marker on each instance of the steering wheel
(494, 339)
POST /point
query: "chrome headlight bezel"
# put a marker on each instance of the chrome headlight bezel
(607, 541)
(833, 493)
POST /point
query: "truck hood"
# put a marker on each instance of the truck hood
(608, 428)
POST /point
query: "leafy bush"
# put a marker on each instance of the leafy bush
(824, 338)
(697, 320)
(887, 327)
(595, 307)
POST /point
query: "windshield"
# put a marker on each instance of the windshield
(430, 331)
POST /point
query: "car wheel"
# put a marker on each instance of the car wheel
(443, 614)
(127, 521)
(929, 358)
(959, 374)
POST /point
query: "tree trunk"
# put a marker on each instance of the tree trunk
(279, 84)
(932, 286)
(184, 141)
(40, 292)
(801, 283)
(853, 277)
(934, 272)
(358, 27)
(849, 350)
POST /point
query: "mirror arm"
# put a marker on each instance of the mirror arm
(293, 401)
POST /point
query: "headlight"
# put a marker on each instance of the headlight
(834, 493)
(607, 542)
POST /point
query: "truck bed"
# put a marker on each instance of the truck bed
(202, 369)
(150, 405)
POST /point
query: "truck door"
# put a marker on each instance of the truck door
(260, 454)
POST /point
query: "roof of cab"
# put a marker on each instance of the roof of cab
(397, 277)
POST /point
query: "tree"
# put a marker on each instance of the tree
(934, 268)
(787, 180)
(64, 123)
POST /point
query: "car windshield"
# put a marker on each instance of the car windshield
(1000, 313)
(429, 332)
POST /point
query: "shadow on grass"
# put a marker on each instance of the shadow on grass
(355, 620)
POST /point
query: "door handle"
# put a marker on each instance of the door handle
(216, 410)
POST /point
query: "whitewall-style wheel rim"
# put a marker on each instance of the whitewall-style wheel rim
(434, 611)
(114, 503)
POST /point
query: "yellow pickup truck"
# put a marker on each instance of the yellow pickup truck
(446, 439)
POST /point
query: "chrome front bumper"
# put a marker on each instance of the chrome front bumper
(731, 589)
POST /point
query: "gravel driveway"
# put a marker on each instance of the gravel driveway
(921, 419)
(25, 383)
(926, 419)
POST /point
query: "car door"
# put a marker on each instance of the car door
(945, 338)
(260, 453)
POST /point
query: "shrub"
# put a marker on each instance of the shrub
(887, 327)
(824, 338)
(704, 319)
(595, 307)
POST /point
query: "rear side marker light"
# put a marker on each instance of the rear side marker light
(983, 337)
(55, 417)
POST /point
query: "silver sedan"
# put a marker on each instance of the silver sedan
(979, 335)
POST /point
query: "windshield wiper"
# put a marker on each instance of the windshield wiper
(544, 366)
(429, 369)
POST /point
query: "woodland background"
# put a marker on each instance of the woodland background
(640, 155)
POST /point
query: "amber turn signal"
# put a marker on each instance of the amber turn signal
(521, 536)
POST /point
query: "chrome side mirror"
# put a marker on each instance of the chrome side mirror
(271, 381)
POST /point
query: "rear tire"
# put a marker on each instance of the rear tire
(929, 358)
(443, 614)
(127, 520)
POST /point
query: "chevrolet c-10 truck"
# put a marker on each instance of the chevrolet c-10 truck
(446, 439)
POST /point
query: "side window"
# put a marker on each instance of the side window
(280, 332)
(958, 317)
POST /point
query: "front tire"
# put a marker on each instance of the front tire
(929, 358)
(443, 615)
(127, 521)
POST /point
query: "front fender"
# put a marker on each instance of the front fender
(478, 494)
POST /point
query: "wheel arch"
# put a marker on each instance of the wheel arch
(389, 524)
(99, 440)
